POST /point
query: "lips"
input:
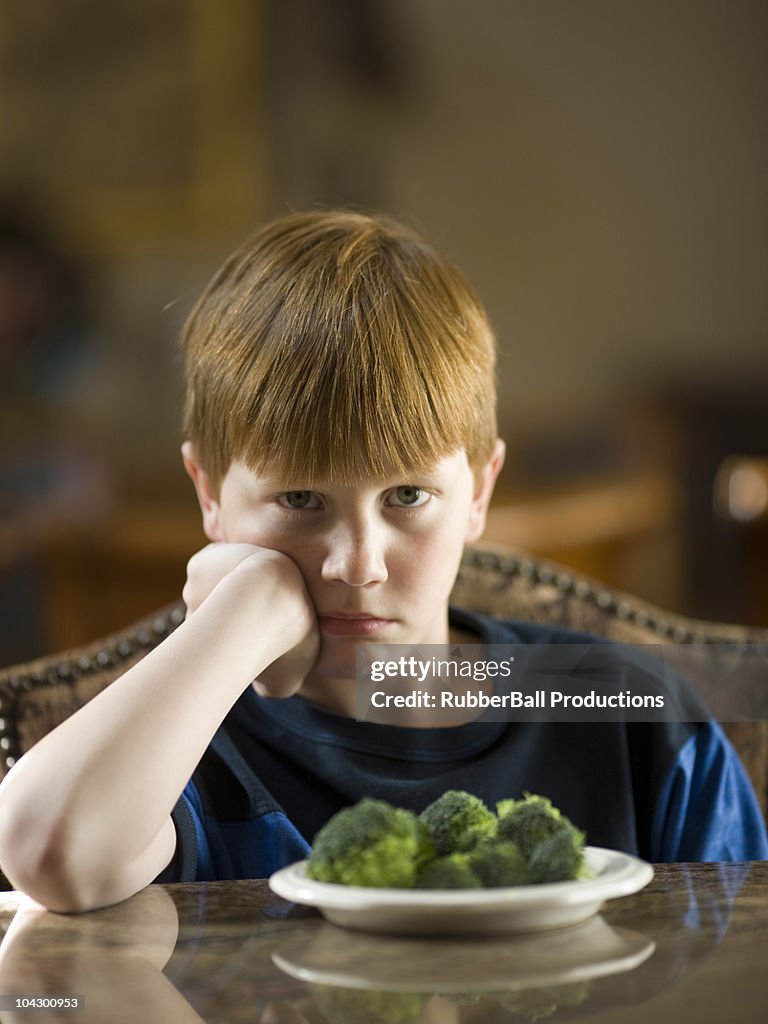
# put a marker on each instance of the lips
(351, 624)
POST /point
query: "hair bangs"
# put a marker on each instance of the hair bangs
(372, 394)
(335, 347)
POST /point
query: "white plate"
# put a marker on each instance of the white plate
(522, 908)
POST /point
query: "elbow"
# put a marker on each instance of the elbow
(41, 866)
(63, 860)
(51, 882)
(30, 855)
(40, 872)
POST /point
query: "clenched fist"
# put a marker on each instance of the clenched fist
(264, 590)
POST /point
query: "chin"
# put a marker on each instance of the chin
(338, 656)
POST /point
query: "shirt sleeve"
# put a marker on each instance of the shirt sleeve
(192, 859)
(208, 850)
(707, 809)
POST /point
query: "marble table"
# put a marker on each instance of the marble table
(691, 946)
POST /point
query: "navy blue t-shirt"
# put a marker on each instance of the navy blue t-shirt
(276, 770)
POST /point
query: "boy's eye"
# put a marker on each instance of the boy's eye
(408, 497)
(299, 500)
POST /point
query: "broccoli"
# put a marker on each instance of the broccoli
(458, 821)
(456, 843)
(551, 844)
(371, 844)
(355, 1006)
(559, 858)
(450, 872)
(498, 864)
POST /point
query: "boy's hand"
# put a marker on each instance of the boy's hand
(208, 567)
(269, 595)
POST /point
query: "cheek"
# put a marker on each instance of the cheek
(429, 563)
(250, 529)
(290, 542)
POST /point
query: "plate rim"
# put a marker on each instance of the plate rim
(619, 874)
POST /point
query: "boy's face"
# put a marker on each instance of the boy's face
(379, 558)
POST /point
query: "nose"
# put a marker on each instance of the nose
(355, 555)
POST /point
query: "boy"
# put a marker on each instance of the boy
(341, 436)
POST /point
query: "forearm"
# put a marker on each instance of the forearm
(93, 797)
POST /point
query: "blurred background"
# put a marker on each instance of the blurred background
(597, 168)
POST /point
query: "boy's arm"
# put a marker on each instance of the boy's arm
(85, 814)
(707, 810)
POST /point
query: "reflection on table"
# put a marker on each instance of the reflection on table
(691, 946)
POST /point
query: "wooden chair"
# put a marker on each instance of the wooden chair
(38, 695)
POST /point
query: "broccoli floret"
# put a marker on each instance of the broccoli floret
(458, 821)
(560, 858)
(372, 844)
(500, 863)
(551, 844)
(355, 1006)
(450, 872)
(528, 822)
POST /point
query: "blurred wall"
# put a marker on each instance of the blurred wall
(597, 167)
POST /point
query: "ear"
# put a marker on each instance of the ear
(206, 493)
(485, 483)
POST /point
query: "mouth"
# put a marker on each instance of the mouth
(352, 624)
